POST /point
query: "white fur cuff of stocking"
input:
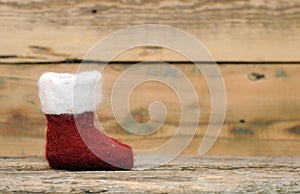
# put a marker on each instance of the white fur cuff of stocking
(64, 93)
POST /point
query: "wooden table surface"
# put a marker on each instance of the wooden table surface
(187, 174)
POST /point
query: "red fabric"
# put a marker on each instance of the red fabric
(65, 148)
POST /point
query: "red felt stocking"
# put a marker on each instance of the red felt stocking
(73, 143)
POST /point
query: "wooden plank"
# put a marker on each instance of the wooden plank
(234, 146)
(185, 175)
(262, 109)
(232, 30)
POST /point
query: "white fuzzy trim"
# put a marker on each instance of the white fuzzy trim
(56, 91)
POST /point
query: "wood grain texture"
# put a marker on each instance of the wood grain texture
(262, 109)
(233, 30)
(185, 175)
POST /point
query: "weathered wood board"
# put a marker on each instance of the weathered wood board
(185, 175)
(232, 30)
(262, 109)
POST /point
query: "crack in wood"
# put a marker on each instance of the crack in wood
(78, 61)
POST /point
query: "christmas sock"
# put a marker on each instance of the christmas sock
(73, 142)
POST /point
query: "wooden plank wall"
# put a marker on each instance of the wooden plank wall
(256, 44)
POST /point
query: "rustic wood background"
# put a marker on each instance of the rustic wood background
(256, 44)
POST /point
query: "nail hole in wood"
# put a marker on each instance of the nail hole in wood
(256, 76)
(242, 121)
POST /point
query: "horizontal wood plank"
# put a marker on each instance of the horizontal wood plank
(232, 30)
(185, 175)
(262, 115)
